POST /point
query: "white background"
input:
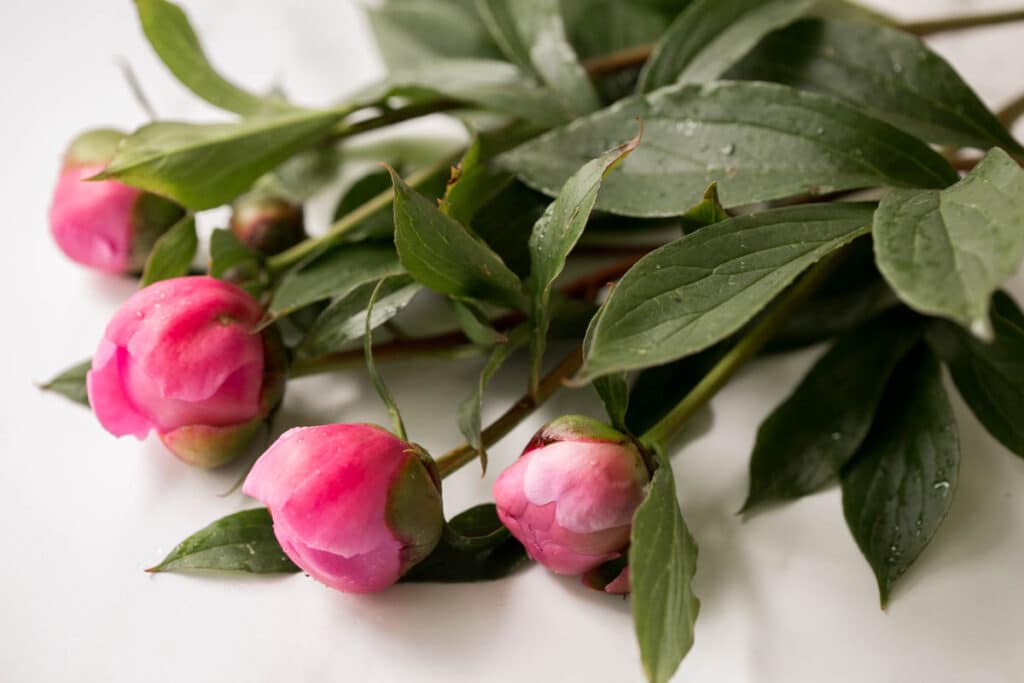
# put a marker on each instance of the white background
(786, 596)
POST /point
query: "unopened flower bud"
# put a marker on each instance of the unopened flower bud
(267, 224)
(105, 224)
(353, 505)
(571, 495)
(181, 358)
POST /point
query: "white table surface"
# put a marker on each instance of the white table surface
(786, 596)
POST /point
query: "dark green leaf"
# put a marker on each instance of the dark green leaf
(445, 256)
(900, 485)
(412, 31)
(173, 253)
(712, 35)
(241, 542)
(469, 409)
(475, 547)
(945, 253)
(599, 27)
(990, 377)
(507, 221)
(554, 236)
(233, 261)
(168, 30)
(488, 84)
(802, 446)
(71, 383)
(758, 141)
(706, 212)
(206, 165)
(345, 319)
(662, 562)
(532, 35)
(614, 393)
(701, 288)
(333, 275)
(891, 74)
(854, 292)
(657, 390)
(476, 181)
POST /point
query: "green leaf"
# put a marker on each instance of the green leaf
(662, 562)
(233, 261)
(173, 253)
(378, 381)
(802, 446)
(712, 35)
(900, 486)
(413, 31)
(241, 542)
(333, 275)
(488, 84)
(701, 288)
(475, 324)
(205, 165)
(945, 253)
(445, 256)
(554, 236)
(71, 383)
(532, 36)
(892, 75)
(990, 377)
(470, 408)
(758, 141)
(345, 319)
(706, 212)
(474, 547)
(168, 30)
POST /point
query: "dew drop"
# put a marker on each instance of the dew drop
(941, 486)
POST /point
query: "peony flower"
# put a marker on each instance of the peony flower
(180, 357)
(571, 495)
(353, 505)
(266, 224)
(105, 224)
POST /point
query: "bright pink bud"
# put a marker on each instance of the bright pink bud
(105, 224)
(181, 357)
(353, 505)
(267, 224)
(571, 495)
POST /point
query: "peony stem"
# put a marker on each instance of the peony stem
(1012, 111)
(931, 27)
(632, 57)
(351, 220)
(520, 410)
(748, 347)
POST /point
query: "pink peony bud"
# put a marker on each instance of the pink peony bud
(571, 495)
(266, 224)
(353, 505)
(105, 224)
(180, 357)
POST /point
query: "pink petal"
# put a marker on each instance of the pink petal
(107, 396)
